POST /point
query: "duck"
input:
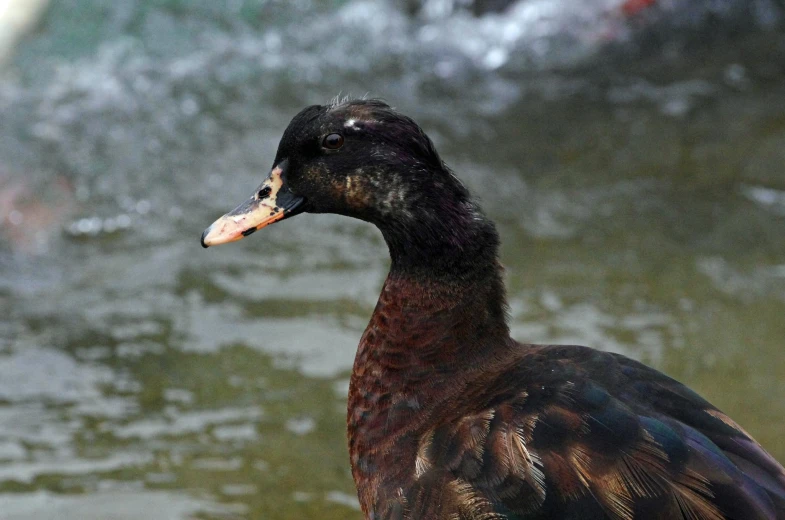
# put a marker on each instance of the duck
(448, 416)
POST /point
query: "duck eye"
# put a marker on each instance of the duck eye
(332, 141)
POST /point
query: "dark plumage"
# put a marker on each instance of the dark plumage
(450, 418)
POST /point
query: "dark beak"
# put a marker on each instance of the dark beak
(273, 201)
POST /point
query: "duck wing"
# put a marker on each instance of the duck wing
(568, 432)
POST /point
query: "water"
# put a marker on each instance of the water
(639, 191)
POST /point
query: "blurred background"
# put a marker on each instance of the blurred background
(632, 152)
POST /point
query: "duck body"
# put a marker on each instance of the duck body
(448, 416)
(514, 431)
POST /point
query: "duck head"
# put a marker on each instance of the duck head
(363, 159)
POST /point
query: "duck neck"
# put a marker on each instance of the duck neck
(439, 323)
(442, 311)
(445, 270)
(450, 244)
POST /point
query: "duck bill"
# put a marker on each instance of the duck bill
(272, 201)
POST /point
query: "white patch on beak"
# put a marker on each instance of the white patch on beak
(350, 123)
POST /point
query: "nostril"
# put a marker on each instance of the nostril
(264, 192)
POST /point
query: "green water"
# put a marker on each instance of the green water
(641, 206)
